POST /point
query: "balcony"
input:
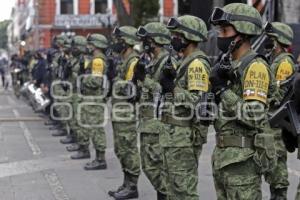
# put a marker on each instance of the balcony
(84, 21)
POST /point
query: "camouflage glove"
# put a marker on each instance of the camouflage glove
(265, 152)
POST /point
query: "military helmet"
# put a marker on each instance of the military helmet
(244, 18)
(79, 42)
(156, 31)
(59, 39)
(67, 43)
(97, 40)
(127, 33)
(193, 28)
(282, 32)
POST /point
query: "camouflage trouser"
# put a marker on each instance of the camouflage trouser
(152, 161)
(238, 181)
(61, 110)
(125, 146)
(92, 126)
(182, 173)
(180, 153)
(298, 192)
(278, 177)
(73, 123)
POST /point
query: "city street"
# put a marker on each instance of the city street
(35, 166)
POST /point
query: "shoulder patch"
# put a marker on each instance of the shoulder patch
(98, 66)
(197, 76)
(130, 69)
(284, 70)
(256, 82)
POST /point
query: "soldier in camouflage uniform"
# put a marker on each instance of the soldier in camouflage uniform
(181, 138)
(94, 92)
(280, 38)
(243, 149)
(155, 36)
(74, 69)
(123, 114)
(59, 60)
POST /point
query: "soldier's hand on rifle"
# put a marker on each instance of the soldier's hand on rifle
(111, 72)
(167, 78)
(140, 70)
(218, 83)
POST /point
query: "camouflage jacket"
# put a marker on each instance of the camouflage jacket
(92, 82)
(150, 96)
(120, 85)
(283, 67)
(243, 110)
(191, 82)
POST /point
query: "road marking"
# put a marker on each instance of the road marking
(55, 185)
(28, 136)
(31, 166)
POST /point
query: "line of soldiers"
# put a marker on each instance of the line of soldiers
(169, 93)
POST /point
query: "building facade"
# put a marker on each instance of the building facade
(35, 22)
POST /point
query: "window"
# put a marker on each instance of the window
(66, 7)
(100, 6)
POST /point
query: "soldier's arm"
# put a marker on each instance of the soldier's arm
(250, 109)
(197, 83)
(94, 78)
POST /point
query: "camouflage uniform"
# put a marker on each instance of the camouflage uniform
(243, 150)
(93, 91)
(149, 125)
(282, 68)
(76, 68)
(179, 138)
(123, 117)
(60, 111)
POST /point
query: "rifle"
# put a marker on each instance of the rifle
(287, 116)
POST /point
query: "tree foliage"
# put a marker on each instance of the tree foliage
(140, 11)
(143, 10)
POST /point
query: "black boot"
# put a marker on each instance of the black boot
(130, 190)
(278, 193)
(82, 153)
(59, 133)
(57, 127)
(112, 192)
(97, 164)
(161, 196)
(68, 140)
(73, 147)
(50, 123)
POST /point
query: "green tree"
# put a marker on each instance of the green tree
(3, 34)
(143, 10)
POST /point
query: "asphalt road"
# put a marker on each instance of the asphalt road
(35, 166)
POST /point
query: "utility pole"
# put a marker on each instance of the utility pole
(37, 25)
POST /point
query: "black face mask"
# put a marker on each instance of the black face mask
(178, 44)
(75, 52)
(89, 51)
(118, 47)
(224, 43)
(148, 47)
